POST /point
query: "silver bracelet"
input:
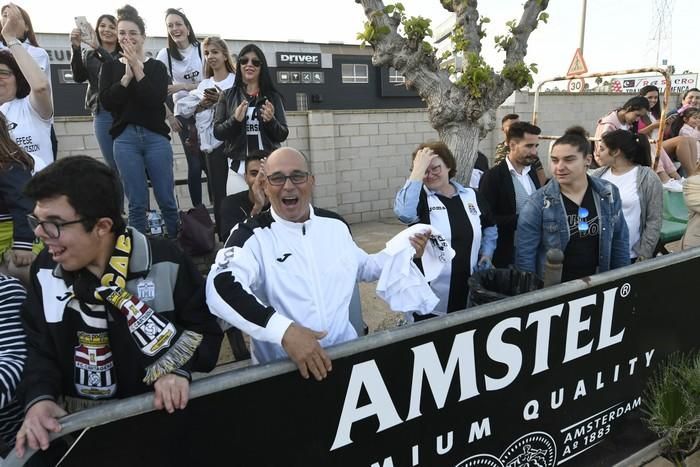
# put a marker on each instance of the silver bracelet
(13, 42)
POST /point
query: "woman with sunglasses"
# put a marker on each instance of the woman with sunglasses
(25, 92)
(431, 196)
(86, 65)
(183, 59)
(625, 161)
(134, 89)
(577, 214)
(250, 116)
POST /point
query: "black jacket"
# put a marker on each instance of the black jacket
(85, 66)
(496, 186)
(14, 205)
(233, 133)
(52, 340)
(141, 103)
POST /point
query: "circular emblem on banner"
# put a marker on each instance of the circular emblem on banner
(481, 460)
(536, 449)
(625, 290)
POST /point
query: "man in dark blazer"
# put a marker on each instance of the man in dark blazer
(498, 186)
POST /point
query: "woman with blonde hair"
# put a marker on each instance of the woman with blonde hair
(219, 75)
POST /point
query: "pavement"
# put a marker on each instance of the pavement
(371, 237)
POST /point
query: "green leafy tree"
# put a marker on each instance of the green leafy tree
(461, 101)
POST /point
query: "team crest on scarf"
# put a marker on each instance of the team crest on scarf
(94, 367)
(164, 346)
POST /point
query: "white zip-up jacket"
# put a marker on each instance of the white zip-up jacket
(273, 272)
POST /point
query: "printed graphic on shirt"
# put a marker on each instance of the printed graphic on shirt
(25, 142)
(94, 366)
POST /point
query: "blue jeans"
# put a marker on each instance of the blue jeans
(102, 122)
(136, 151)
(195, 163)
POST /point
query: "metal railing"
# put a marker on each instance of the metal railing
(666, 95)
(125, 408)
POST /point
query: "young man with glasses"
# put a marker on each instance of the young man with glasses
(577, 214)
(110, 313)
(286, 276)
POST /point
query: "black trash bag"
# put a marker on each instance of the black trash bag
(495, 284)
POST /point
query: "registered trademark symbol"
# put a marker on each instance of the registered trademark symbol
(625, 290)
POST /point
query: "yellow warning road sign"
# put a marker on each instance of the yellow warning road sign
(578, 65)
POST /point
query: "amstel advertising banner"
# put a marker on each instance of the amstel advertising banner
(554, 382)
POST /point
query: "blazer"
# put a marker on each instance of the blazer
(496, 186)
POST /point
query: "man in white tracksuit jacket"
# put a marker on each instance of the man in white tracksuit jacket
(286, 276)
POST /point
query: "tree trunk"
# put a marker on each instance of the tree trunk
(463, 140)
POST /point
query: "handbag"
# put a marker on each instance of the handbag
(196, 236)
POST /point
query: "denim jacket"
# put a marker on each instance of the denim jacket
(542, 225)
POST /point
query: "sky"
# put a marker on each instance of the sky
(619, 34)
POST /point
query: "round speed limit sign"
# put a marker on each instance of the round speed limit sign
(576, 85)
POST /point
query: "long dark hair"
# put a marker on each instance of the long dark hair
(10, 151)
(112, 20)
(29, 34)
(191, 38)
(265, 81)
(635, 148)
(656, 110)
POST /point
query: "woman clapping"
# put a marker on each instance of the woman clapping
(134, 89)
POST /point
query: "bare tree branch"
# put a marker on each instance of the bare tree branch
(420, 69)
(517, 48)
(467, 16)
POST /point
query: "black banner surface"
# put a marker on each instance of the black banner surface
(554, 382)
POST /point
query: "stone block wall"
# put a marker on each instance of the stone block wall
(360, 158)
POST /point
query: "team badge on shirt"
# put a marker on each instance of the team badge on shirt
(472, 209)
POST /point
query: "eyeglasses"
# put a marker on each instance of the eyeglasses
(245, 60)
(4, 74)
(52, 229)
(582, 222)
(297, 178)
(436, 170)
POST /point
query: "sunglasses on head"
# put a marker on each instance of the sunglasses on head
(245, 60)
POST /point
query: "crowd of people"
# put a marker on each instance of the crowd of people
(110, 311)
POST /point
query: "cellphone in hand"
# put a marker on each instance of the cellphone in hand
(87, 33)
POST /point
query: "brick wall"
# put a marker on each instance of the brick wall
(361, 158)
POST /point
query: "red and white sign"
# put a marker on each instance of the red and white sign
(576, 85)
(578, 65)
(632, 84)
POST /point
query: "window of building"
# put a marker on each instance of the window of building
(395, 77)
(355, 73)
(302, 101)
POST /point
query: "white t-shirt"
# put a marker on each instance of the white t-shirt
(29, 130)
(188, 70)
(631, 209)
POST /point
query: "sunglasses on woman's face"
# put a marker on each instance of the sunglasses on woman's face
(245, 60)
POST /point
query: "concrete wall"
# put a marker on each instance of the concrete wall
(361, 158)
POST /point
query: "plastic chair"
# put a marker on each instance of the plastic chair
(674, 207)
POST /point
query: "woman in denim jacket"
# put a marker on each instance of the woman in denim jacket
(580, 215)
